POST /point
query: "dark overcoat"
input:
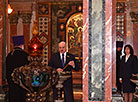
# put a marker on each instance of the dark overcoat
(118, 60)
(126, 70)
(55, 62)
(16, 58)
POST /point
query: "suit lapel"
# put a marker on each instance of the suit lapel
(60, 62)
(67, 58)
(128, 59)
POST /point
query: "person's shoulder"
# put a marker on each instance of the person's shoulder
(20, 52)
(134, 56)
(27, 54)
(9, 55)
(123, 56)
(55, 54)
(17, 50)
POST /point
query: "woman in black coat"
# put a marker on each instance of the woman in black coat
(128, 67)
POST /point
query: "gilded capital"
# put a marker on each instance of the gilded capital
(134, 17)
(13, 18)
(26, 17)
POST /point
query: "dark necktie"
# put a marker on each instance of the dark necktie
(63, 60)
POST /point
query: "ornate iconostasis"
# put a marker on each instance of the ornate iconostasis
(53, 20)
(57, 21)
(60, 21)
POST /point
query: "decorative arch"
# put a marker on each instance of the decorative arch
(74, 30)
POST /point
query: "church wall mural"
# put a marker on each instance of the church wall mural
(74, 29)
(61, 14)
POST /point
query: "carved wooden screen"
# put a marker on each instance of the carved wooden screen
(120, 21)
(44, 24)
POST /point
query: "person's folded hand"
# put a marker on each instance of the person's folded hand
(60, 70)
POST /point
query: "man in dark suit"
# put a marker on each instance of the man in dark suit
(119, 45)
(58, 61)
(16, 58)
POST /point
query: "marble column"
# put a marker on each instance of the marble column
(33, 18)
(134, 19)
(3, 32)
(97, 50)
(13, 27)
(108, 50)
(129, 27)
(114, 44)
(20, 27)
(85, 50)
(135, 38)
(1, 37)
(26, 17)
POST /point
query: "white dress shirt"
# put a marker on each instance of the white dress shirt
(127, 57)
(64, 56)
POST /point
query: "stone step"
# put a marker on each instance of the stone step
(77, 81)
(77, 85)
(77, 77)
(78, 96)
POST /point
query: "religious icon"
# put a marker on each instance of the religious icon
(74, 34)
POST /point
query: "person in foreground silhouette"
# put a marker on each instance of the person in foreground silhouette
(16, 58)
